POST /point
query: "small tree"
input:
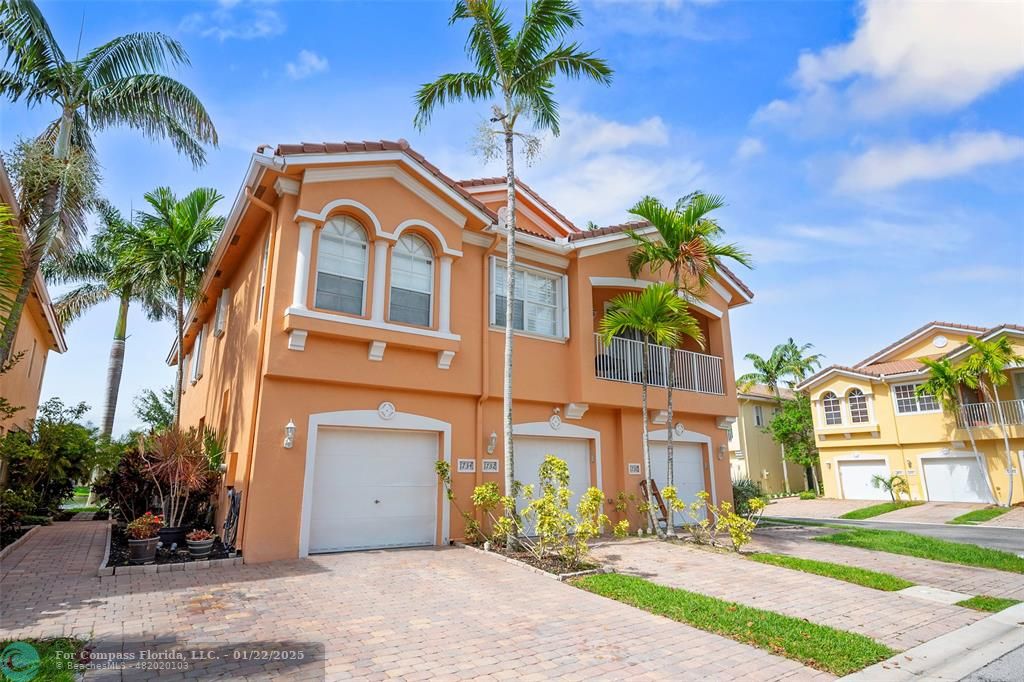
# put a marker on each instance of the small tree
(155, 410)
(894, 485)
(793, 429)
(176, 461)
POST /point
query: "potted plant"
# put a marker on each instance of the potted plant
(200, 543)
(176, 461)
(143, 535)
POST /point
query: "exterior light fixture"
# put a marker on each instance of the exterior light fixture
(289, 434)
(492, 442)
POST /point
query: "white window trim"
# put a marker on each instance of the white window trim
(221, 316)
(867, 407)
(561, 316)
(264, 264)
(433, 287)
(198, 351)
(366, 268)
(758, 415)
(896, 404)
(824, 412)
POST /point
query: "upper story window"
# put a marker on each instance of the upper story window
(197, 355)
(341, 266)
(830, 406)
(412, 281)
(908, 402)
(538, 301)
(858, 404)
(758, 415)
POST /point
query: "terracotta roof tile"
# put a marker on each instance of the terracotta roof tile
(484, 182)
(957, 325)
(895, 367)
(762, 391)
(610, 229)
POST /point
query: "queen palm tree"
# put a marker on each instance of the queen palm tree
(985, 369)
(174, 247)
(944, 383)
(687, 244)
(657, 315)
(10, 259)
(788, 363)
(516, 72)
(121, 83)
(104, 273)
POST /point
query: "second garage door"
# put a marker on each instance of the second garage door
(373, 488)
(955, 479)
(855, 478)
(530, 453)
(687, 470)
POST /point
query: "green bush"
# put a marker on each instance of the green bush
(808, 495)
(13, 507)
(743, 491)
(35, 520)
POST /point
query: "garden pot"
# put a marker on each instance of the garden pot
(171, 536)
(142, 551)
(200, 549)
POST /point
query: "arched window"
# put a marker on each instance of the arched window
(858, 403)
(341, 266)
(412, 281)
(830, 406)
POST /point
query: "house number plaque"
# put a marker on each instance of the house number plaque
(466, 466)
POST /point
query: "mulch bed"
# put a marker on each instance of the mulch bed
(550, 563)
(119, 551)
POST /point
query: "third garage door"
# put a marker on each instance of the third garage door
(955, 479)
(855, 478)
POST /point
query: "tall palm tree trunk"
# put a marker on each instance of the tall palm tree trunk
(647, 443)
(670, 526)
(977, 455)
(814, 477)
(510, 285)
(782, 446)
(1006, 445)
(41, 245)
(179, 377)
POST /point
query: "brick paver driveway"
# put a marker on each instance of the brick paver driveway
(814, 509)
(799, 541)
(1011, 519)
(899, 621)
(930, 512)
(413, 614)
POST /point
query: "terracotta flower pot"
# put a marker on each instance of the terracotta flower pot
(142, 551)
(172, 536)
(200, 549)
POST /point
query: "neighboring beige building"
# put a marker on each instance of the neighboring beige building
(752, 452)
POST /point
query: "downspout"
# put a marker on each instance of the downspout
(485, 374)
(265, 307)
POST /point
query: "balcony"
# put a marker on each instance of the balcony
(987, 414)
(622, 361)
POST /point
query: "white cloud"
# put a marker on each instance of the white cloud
(748, 148)
(884, 167)
(937, 56)
(236, 19)
(307, 64)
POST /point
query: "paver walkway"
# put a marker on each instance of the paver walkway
(414, 614)
(1011, 519)
(899, 621)
(814, 509)
(798, 541)
(930, 512)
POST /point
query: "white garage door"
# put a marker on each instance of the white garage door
(687, 470)
(855, 478)
(955, 479)
(530, 453)
(373, 488)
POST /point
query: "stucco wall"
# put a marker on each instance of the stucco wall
(21, 385)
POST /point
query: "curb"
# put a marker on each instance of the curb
(560, 577)
(11, 547)
(187, 566)
(106, 553)
(954, 655)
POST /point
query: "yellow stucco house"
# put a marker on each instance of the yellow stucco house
(350, 331)
(869, 420)
(753, 454)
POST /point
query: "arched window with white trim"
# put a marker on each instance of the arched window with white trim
(412, 281)
(858, 405)
(341, 266)
(831, 408)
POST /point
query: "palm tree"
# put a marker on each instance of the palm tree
(944, 382)
(687, 245)
(788, 363)
(104, 273)
(174, 247)
(657, 315)
(517, 70)
(988, 363)
(10, 258)
(121, 83)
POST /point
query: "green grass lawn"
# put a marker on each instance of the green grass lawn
(818, 646)
(990, 604)
(51, 667)
(850, 574)
(979, 516)
(899, 542)
(878, 509)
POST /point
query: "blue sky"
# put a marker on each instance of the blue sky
(871, 154)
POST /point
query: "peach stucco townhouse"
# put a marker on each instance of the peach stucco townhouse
(349, 335)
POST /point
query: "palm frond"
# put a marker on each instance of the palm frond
(11, 247)
(31, 48)
(73, 304)
(449, 88)
(76, 267)
(546, 20)
(129, 55)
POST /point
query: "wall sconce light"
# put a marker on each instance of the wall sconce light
(721, 452)
(289, 434)
(492, 442)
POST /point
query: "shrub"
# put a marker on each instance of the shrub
(743, 491)
(184, 477)
(13, 507)
(145, 527)
(35, 520)
(808, 495)
(126, 488)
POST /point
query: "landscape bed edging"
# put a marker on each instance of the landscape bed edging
(105, 571)
(561, 577)
(10, 548)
